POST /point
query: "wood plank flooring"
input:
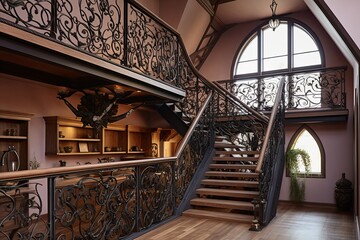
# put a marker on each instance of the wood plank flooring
(293, 222)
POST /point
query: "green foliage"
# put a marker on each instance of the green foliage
(297, 185)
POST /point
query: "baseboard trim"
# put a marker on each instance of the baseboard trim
(309, 204)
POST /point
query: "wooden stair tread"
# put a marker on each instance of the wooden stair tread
(234, 217)
(227, 192)
(225, 145)
(238, 152)
(245, 159)
(229, 183)
(230, 174)
(220, 137)
(219, 203)
(233, 166)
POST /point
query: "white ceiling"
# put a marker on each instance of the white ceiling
(249, 10)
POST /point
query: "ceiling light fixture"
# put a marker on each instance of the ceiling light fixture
(274, 22)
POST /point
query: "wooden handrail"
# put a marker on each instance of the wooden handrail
(194, 123)
(270, 125)
(234, 98)
(57, 171)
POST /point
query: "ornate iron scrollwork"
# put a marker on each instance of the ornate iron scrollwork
(20, 213)
(97, 207)
(93, 26)
(31, 14)
(319, 89)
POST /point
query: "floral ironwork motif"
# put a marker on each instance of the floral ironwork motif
(31, 14)
(110, 205)
(93, 26)
(156, 195)
(320, 89)
(152, 48)
(99, 207)
(20, 213)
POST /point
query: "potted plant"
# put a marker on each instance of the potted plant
(297, 185)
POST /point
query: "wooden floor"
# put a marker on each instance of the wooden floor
(291, 223)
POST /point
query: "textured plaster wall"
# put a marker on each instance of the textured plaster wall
(337, 138)
(348, 15)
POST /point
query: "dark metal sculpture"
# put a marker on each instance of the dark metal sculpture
(97, 109)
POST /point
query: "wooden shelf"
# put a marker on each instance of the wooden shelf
(78, 153)
(17, 124)
(61, 133)
(136, 152)
(13, 137)
(114, 152)
(81, 139)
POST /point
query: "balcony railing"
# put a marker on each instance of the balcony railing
(316, 89)
(118, 199)
(119, 31)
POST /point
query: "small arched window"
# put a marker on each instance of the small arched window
(306, 139)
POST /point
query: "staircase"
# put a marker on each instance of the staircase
(229, 186)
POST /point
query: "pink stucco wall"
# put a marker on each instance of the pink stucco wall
(348, 15)
(337, 138)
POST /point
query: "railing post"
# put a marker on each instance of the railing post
(173, 186)
(138, 209)
(51, 206)
(53, 27)
(125, 32)
(255, 225)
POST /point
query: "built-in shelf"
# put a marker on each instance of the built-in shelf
(113, 140)
(14, 134)
(81, 139)
(13, 137)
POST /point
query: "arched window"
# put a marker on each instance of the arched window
(289, 51)
(290, 47)
(306, 139)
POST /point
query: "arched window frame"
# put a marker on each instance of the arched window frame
(258, 31)
(321, 147)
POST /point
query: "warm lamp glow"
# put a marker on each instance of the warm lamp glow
(274, 23)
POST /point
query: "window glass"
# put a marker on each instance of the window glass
(307, 59)
(248, 62)
(275, 50)
(308, 141)
(275, 42)
(275, 45)
(306, 52)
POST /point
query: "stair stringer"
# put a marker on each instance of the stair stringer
(275, 186)
(196, 181)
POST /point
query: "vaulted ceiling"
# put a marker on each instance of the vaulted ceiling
(237, 11)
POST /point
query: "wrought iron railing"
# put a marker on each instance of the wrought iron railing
(103, 201)
(118, 199)
(321, 88)
(119, 31)
(271, 160)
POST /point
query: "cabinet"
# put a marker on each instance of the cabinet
(69, 137)
(14, 133)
